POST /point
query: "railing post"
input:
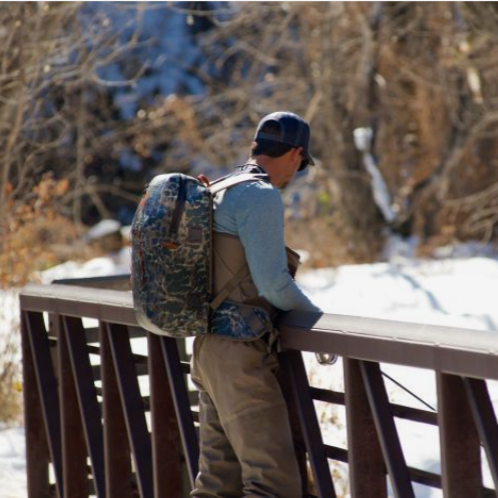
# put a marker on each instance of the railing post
(37, 452)
(293, 362)
(297, 433)
(485, 421)
(366, 468)
(90, 413)
(117, 457)
(74, 468)
(460, 451)
(133, 407)
(386, 430)
(166, 443)
(182, 406)
(48, 391)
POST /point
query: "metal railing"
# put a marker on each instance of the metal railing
(94, 427)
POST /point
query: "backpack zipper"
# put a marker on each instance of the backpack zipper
(181, 198)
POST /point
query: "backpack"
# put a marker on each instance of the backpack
(171, 255)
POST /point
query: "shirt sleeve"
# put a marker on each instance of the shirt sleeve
(260, 222)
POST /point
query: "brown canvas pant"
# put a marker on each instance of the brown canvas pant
(246, 447)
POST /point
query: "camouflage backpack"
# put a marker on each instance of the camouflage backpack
(172, 253)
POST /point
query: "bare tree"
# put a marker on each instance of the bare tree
(420, 75)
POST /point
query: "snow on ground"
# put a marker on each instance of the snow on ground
(452, 292)
(12, 463)
(116, 264)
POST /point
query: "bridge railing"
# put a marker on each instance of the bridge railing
(108, 410)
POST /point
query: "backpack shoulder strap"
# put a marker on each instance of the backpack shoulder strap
(214, 188)
(231, 180)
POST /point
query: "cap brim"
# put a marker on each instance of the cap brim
(309, 159)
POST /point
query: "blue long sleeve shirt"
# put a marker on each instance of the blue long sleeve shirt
(254, 212)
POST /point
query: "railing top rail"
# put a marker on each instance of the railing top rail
(102, 304)
(467, 352)
(454, 350)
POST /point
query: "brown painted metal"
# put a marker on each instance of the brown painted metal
(74, 334)
(37, 451)
(297, 433)
(443, 349)
(74, 451)
(293, 362)
(485, 420)
(117, 454)
(460, 452)
(166, 442)
(133, 407)
(416, 475)
(106, 305)
(335, 453)
(414, 414)
(93, 333)
(424, 477)
(400, 411)
(328, 396)
(182, 406)
(47, 388)
(367, 469)
(386, 430)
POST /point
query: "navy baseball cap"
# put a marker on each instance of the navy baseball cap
(294, 131)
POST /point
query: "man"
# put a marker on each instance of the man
(246, 446)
